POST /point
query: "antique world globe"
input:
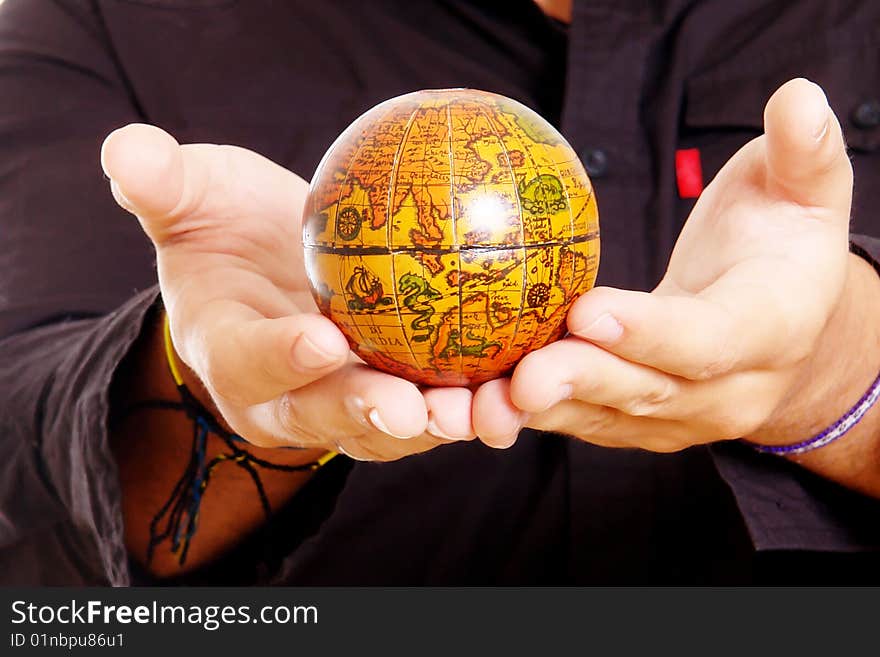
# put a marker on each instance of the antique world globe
(447, 233)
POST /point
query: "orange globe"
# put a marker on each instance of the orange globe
(447, 233)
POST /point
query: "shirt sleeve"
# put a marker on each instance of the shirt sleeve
(76, 276)
(787, 508)
(60, 510)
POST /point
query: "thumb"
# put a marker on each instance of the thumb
(806, 154)
(172, 188)
(146, 170)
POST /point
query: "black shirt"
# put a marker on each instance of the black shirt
(628, 83)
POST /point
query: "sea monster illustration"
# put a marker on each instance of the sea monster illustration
(419, 294)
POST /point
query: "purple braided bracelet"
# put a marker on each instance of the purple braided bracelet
(832, 433)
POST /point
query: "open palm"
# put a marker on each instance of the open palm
(226, 226)
(732, 334)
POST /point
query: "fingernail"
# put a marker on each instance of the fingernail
(603, 329)
(308, 355)
(121, 199)
(437, 432)
(377, 421)
(508, 441)
(819, 135)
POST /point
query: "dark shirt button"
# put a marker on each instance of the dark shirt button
(867, 115)
(595, 161)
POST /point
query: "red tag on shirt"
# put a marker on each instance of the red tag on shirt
(688, 172)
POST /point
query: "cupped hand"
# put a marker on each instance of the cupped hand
(728, 345)
(226, 224)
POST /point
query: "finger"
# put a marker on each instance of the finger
(146, 171)
(351, 402)
(449, 413)
(609, 427)
(246, 359)
(575, 369)
(806, 154)
(731, 326)
(170, 187)
(496, 420)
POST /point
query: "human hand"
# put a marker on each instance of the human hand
(226, 224)
(743, 337)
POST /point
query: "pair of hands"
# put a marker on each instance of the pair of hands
(720, 349)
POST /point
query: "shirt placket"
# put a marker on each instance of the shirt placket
(607, 63)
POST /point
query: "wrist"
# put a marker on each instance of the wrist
(841, 368)
(842, 365)
(846, 362)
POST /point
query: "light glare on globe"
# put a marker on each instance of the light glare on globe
(487, 211)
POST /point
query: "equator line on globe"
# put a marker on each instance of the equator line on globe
(447, 232)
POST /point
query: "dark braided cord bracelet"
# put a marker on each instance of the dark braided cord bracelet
(177, 519)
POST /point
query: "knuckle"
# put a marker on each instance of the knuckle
(288, 416)
(653, 400)
(722, 362)
(586, 388)
(722, 354)
(600, 420)
(243, 424)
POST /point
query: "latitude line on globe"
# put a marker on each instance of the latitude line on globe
(349, 249)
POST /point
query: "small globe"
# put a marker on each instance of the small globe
(447, 233)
